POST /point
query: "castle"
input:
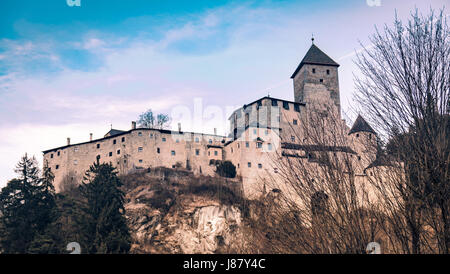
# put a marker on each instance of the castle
(261, 133)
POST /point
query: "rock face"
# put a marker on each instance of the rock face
(182, 222)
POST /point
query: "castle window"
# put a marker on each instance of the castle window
(172, 152)
(98, 145)
(259, 145)
(247, 144)
(114, 141)
(297, 107)
(197, 152)
(321, 80)
(59, 153)
(239, 145)
(151, 135)
(239, 165)
(118, 151)
(359, 158)
(209, 153)
(140, 149)
(370, 136)
(254, 131)
(75, 162)
(158, 150)
(259, 165)
(210, 141)
(313, 70)
(266, 132)
(275, 170)
(269, 146)
(177, 141)
(215, 153)
(196, 139)
(293, 138)
(98, 157)
(140, 160)
(163, 139)
(123, 139)
(286, 105)
(110, 154)
(357, 135)
(249, 164)
(231, 150)
(139, 133)
(51, 155)
(328, 72)
(274, 103)
(75, 149)
(294, 122)
(57, 166)
(124, 161)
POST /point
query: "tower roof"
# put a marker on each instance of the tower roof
(315, 56)
(361, 125)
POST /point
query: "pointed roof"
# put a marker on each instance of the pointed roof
(315, 56)
(113, 132)
(361, 125)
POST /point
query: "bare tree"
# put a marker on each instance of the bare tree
(148, 120)
(404, 91)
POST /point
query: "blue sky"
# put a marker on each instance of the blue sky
(68, 71)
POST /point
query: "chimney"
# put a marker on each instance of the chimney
(179, 127)
(215, 131)
(68, 141)
(90, 136)
(133, 124)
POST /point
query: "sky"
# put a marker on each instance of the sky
(68, 70)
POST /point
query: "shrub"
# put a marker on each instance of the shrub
(226, 169)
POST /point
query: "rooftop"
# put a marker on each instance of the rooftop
(315, 56)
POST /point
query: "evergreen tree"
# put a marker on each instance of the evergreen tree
(27, 206)
(105, 228)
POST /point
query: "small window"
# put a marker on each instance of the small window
(163, 139)
(158, 150)
(269, 146)
(197, 152)
(110, 154)
(249, 164)
(274, 103)
(118, 151)
(254, 131)
(51, 155)
(294, 121)
(359, 158)
(313, 70)
(328, 72)
(139, 133)
(239, 165)
(59, 153)
(210, 141)
(140, 161)
(321, 80)
(231, 150)
(75, 162)
(114, 141)
(172, 152)
(140, 149)
(357, 135)
(196, 139)
(98, 157)
(259, 165)
(75, 149)
(151, 135)
(215, 153)
(370, 135)
(177, 141)
(259, 145)
(297, 107)
(293, 138)
(247, 144)
(57, 166)
(275, 170)
(266, 132)
(209, 153)
(123, 139)
(98, 145)
(286, 105)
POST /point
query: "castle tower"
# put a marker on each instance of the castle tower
(316, 78)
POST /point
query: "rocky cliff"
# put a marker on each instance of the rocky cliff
(172, 211)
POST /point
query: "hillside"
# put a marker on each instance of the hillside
(173, 211)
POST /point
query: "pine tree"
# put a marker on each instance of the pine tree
(27, 206)
(105, 229)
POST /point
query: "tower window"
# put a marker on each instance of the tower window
(294, 122)
(313, 70)
(210, 141)
(196, 139)
(140, 160)
(197, 152)
(259, 145)
(59, 153)
(123, 139)
(114, 142)
(110, 154)
(172, 152)
(140, 149)
(163, 139)
(139, 133)
(259, 165)
(118, 151)
(51, 155)
(75, 162)
(286, 105)
(158, 150)
(247, 144)
(274, 103)
(297, 107)
(357, 135)
(215, 153)
(151, 135)
(57, 166)
(328, 72)
(98, 145)
(269, 146)
(293, 138)
(249, 164)
(321, 80)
